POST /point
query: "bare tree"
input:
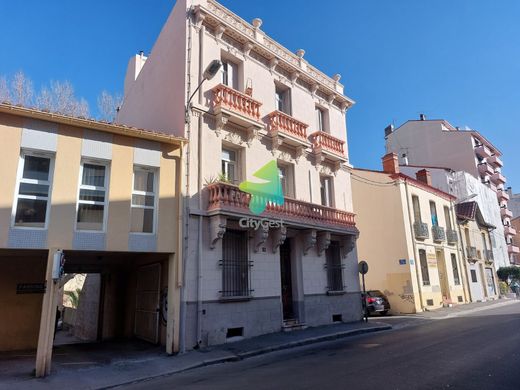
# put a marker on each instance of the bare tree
(108, 105)
(4, 90)
(44, 100)
(21, 89)
(81, 109)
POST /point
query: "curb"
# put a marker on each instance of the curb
(257, 352)
(469, 311)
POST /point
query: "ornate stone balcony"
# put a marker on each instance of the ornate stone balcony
(236, 107)
(325, 144)
(438, 233)
(452, 236)
(227, 198)
(284, 129)
(421, 230)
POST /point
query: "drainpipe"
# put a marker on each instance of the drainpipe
(419, 284)
(465, 286)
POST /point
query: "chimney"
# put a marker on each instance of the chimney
(422, 117)
(425, 176)
(390, 163)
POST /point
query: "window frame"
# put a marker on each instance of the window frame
(283, 94)
(155, 206)
(330, 192)
(235, 163)
(106, 188)
(321, 119)
(455, 267)
(229, 73)
(434, 216)
(334, 265)
(424, 266)
(232, 267)
(19, 180)
(290, 190)
(416, 205)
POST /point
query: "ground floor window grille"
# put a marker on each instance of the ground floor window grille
(334, 267)
(236, 267)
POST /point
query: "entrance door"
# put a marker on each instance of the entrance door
(147, 303)
(286, 278)
(443, 276)
(490, 282)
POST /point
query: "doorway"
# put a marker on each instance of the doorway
(443, 276)
(286, 280)
(147, 302)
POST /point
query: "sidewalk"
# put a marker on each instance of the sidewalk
(457, 310)
(104, 370)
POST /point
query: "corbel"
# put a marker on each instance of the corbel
(279, 236)
(309, 240)
(217, 228)
(260, 237)
(323, 242)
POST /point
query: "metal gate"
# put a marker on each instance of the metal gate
(147, 302)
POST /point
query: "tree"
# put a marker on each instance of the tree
(108, 105)
(4, 90)
(21, 89)
(74, 297)
(509, 275)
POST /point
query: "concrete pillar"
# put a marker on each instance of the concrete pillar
(47, 321)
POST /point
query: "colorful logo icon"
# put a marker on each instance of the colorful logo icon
(268, 191)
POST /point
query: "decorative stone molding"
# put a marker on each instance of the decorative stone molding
(309, 240)
(330, 99)
(348, 243)
(298, 153)
(279, 236)
(252, 134)
(220, 121)
(233, 138)
(276, 142)
(198, 18)
(314, 88)
(323, 242)
(272, 64)
(247, 48)
(294, 77)
(219, 30)
(259, 237)
(217, 228)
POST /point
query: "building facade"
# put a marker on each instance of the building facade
(104, 198)
(479, 265)
(466, 187)
(437, 143)
(294, 264)
(514, 202)
(515, 224)
(409, 238)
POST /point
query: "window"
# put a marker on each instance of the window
(468, 238)
(473, 276)
(144, 191)
(326, 191)
(416, 209)
(33, 191)
(92, 200)
(321, 119)
(484, 243)
(455, 268)
(282, 97)
(447, 217)
(229, 74)
(433, 212)
(286, 179)
(235, 264)
(229, 165)
(334, 267)
(424, 267)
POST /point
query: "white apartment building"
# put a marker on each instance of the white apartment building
(295, 264)
(436, 143)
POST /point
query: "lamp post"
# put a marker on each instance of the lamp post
(210, 72)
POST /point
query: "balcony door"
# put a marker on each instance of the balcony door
(286, 280)
(443, 276)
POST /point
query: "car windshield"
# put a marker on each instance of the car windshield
(376, 293)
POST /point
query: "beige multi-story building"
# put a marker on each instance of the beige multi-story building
(479, 266)
(515, 224)
(437, 143)
(295, 264)
(103, 197)
(408, 238)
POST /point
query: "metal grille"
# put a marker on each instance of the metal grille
(334, 267)
(236, 275)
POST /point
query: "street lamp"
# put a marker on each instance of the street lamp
(210, 72)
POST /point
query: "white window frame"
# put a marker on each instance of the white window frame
(229, 71)
(231, 162)
(106, 164)
(20, 179)
(155, 206)
(329, 195)
(289, 179)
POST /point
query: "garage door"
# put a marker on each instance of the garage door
(147, 303)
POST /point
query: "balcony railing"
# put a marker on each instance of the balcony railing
(488, 253)
(438, 233)
(281, 122)
(513, 249)
(506, 213)
(321, 140)
(231, 99)
(498, 178)
(509, 231)
(471, 253)
(452, 236)
(421, 230)
(485, 169)
(482, 151)
(495, 160)
(503, 195)
(227, 197)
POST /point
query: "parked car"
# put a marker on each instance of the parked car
(376, 302)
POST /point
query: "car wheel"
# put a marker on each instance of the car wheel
(384, 313)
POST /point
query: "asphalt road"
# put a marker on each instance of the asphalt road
(478, 351)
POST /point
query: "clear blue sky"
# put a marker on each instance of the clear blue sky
(458, 60)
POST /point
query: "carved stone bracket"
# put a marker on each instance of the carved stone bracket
(348, 243)
(318, 159)
(198, 17)
(217, 228)
(272, 64)
(298, 153)
(247, 48)
(252, 134)
(309, 240)
(259, 237)
(220, 120)
(330, 99)
(279, 236)
(314, 88)
(294, 76)
(276, 142)
(219, 30)
(336, 166)
(323, 242)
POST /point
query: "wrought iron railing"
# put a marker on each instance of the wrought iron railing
(452, 236)
(421, 230)
(438, 233)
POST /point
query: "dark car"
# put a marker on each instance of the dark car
(376, 302)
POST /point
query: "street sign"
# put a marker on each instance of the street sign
(363, 267)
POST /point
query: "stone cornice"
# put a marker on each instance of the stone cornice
(217, 16)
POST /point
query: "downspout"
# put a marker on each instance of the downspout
(202, 32)
(419, 284)
(460, 249)
(185, 204)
